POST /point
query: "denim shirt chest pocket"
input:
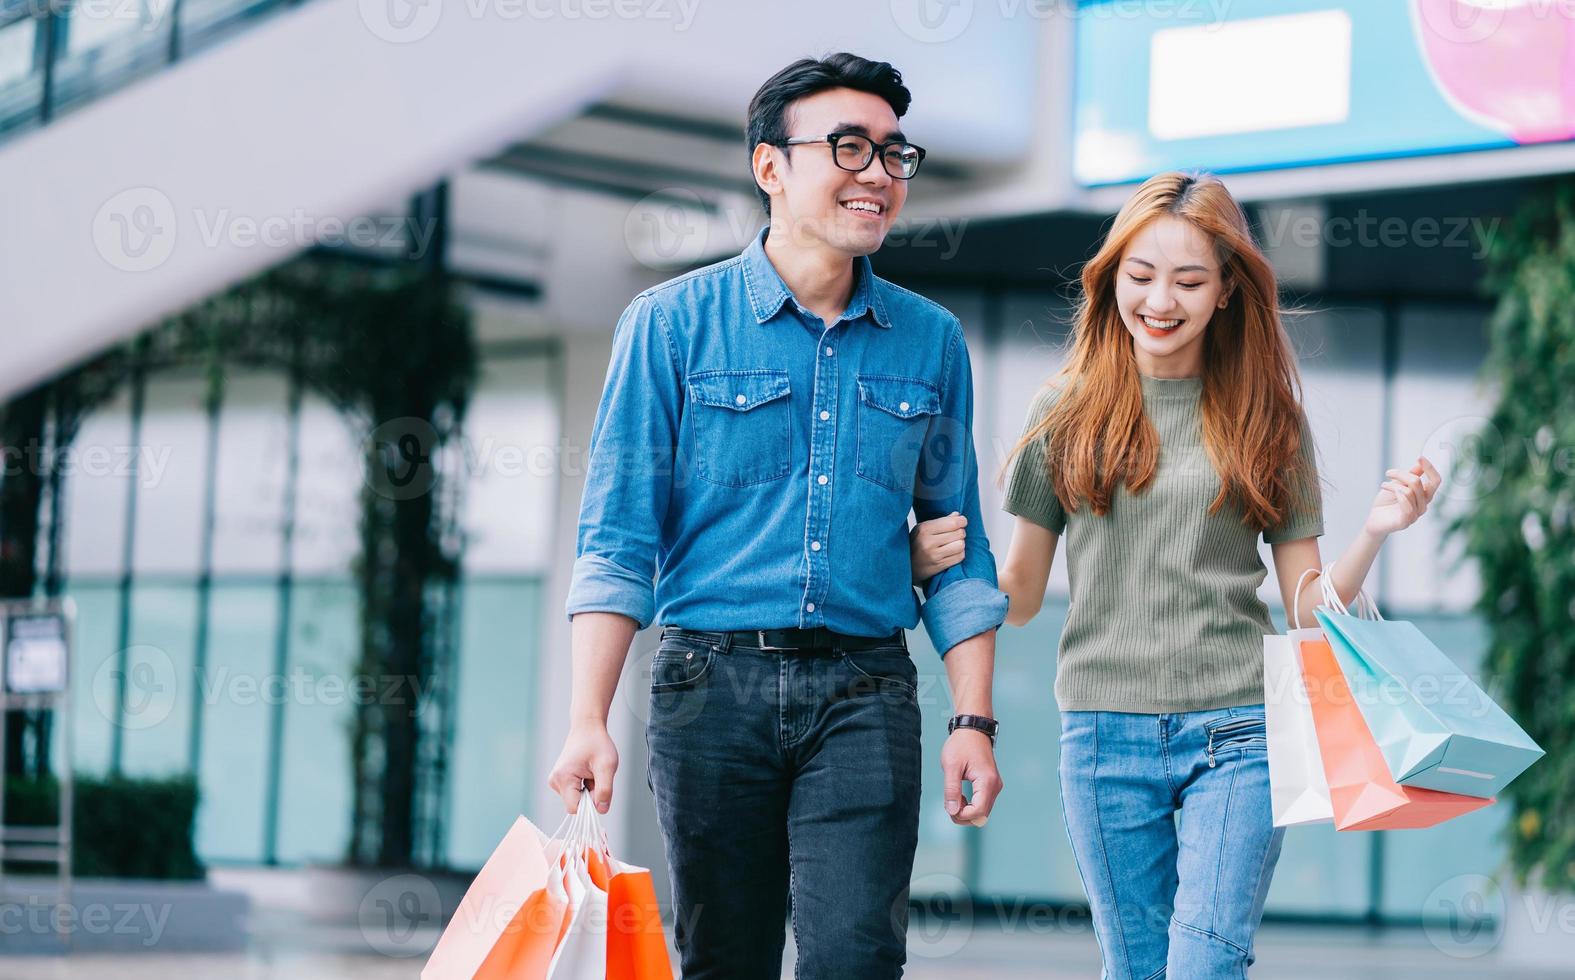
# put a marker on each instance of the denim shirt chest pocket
(894, 416)
(742, 429)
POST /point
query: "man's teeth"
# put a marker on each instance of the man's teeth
(869, 206)
(1161, 324)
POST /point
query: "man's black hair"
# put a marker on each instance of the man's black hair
(768, 110)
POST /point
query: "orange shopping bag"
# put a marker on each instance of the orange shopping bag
(636, 945)
(509, 923)
(1364, 795)
(532, 937)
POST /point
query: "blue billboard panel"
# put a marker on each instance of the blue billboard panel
(1233, 85)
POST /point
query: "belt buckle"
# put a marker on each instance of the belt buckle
(760, 639)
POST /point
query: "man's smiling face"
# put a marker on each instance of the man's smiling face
(817, 202)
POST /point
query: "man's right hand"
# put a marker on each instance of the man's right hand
(589, 755)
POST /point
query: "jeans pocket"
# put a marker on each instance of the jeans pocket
(680, 663)
(742, 428)
(893, 419)
(880, 672)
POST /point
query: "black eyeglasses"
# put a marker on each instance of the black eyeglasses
(853, 152)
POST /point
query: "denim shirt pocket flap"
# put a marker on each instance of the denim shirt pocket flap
(905, 398)
(738, 390)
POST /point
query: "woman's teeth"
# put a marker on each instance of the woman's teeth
(1154, 324)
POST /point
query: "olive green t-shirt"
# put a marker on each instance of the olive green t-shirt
(1165, 615)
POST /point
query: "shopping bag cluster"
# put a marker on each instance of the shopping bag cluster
(1371, 727)
(554, 908)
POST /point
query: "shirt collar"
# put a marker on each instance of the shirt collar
(767, 291)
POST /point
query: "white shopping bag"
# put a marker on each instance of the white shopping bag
(1298, 788)
(582, 955)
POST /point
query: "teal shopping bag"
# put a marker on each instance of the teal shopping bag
(1436, 728)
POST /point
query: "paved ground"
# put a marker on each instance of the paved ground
(291, 940)
(285, 951)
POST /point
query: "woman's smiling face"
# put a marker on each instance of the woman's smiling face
(1168, 286)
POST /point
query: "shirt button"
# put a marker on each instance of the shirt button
(821, 479)
(830, 351)
(903, 406)
(810, 607)
(740, 399)
(824, 416)
(814, 546)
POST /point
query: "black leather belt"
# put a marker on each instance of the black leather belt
(797, 638)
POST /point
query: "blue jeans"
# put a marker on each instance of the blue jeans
(783, 776)
(1171, 827)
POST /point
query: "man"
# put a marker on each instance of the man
(766, 427)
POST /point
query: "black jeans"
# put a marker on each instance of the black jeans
(786, 775)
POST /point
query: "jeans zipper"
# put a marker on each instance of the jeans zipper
(1226, 729)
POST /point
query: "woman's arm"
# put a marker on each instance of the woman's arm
(1401, 500)
(1026, 571)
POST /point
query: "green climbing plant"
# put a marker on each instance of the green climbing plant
(1520, 529)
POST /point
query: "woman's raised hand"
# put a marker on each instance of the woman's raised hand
(1403, 497)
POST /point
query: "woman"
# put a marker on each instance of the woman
(1172, 438)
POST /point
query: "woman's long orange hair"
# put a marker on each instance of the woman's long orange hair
(1098, 436)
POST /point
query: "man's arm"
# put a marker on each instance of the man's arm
(963, 600)
(969, 754)
(612, 594)
(600, 643)
(963, 607)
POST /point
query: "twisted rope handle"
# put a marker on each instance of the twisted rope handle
(1296, 598)
(1365, 607)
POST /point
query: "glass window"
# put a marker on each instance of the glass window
(491, 780)
(97, 474)
(250, 474)
(159, 684)
(1438, 406)
(327, 496)
(93, 25)
(1034, 328)
(239, 691)
(315, 789)
(92, 724)
(16, 50)
(1322, 872)
(511, 459)
(171, 469)
(1340, 353)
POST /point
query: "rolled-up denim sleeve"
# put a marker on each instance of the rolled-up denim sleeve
(963, 600)
(629, 477)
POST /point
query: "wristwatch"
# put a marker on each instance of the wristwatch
(978, 723)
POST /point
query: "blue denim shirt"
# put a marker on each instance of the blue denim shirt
(762, 465)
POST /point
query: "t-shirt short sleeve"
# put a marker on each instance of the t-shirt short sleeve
(1304, 518)
(1029, 490)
